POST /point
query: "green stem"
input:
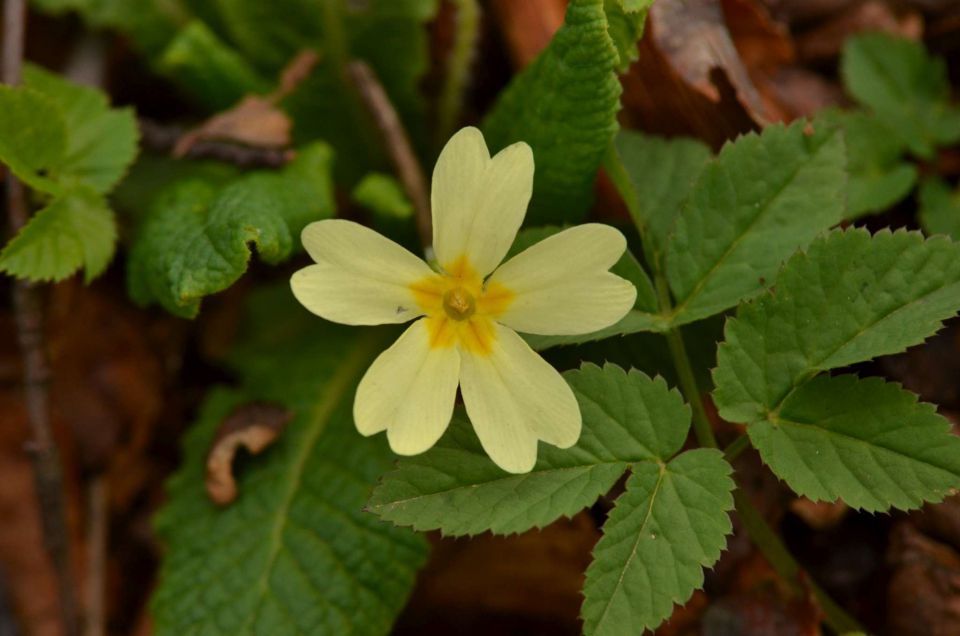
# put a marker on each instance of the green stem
(776, 553)
(737, 446)
(688, 385)
(450, 102)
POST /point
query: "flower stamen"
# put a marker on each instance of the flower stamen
(459, 304)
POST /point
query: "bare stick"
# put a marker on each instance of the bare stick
(162, 138)
(397, 143)
(28, 315)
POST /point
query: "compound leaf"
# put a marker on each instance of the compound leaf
(33, 136)
(851, 297)
(940, 208)
(454, 487)
(867, 442)
(101, 141)
(671, 522)
(75, 230)
(662, 173)
(879, 174)
(905, 86)
(763, 197)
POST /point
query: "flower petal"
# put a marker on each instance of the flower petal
(560, 285)
(409, 391)
(513, 398)
(361, 277)
(478, 202)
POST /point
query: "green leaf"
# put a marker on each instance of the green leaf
(626, 20)
(906, 87)
(196, 239)
(101, 142)
(454, 487)
(295, 553)
(384, 195)
(662, 173)
(850, 298)
(213, 72)
(75, 230)
(867, 442)
(149, 23)
(33, 135)
(940, 208)
(671, 522)
(879, 175)
(151, 174)
(564, 104)
(762, 198)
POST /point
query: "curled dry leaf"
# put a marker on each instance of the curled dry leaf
(254, 426)
(694, 38)
(256, 120)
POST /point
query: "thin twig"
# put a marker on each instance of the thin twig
(162, 138)
(397, 143)
(28, 315)
(97, 513)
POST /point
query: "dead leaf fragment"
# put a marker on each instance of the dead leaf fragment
(527, 583)
(256, 120)
(253, 426)
(924, 593)
(826, 40)
(819, 515)
(528, 26)
(693, 36)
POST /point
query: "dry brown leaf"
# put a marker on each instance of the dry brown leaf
(489, 583)
(923, 598)
(694, 38)
(253, 426)
(763, 43)
(256, 120)
(825, 41)
(819, 515)
(760, 603)
(528, 26)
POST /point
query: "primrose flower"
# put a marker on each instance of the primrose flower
(469, 312)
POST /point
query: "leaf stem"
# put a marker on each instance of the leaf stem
(688, 385)
(466, 33)
(777, 554)
(737, 446)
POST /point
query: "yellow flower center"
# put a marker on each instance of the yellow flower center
(459, 304)
(461, 308)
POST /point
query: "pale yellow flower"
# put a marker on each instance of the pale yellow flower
(469, 312)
